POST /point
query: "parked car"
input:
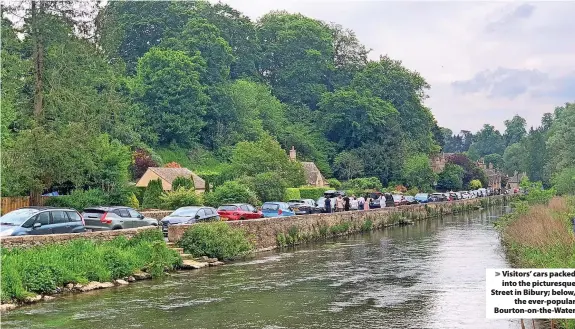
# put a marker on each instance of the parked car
(40, 221)
(239, 211)
(303, 206)
(115, 218)
(399, 200)
(333, 194)
(422, 197)
(410, 199)
(189, 215)
(438, 197)
(277, 209)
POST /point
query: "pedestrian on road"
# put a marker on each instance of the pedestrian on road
(327, 205)
(346, 203)
(366, 203)
(382, 201)
(353, 203)
(339, 204)
(360, 202)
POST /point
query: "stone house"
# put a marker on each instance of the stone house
(168, 175)
(493, 175)
(312, 174)
(514, 180)
(438, 162)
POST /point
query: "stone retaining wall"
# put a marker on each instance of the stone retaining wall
(37, 240)
(264, 232)
(157, 214)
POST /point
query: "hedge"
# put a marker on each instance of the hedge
(312, 192)
(292, 194)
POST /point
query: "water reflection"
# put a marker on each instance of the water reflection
(428, 275)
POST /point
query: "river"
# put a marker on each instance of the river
(427, 275)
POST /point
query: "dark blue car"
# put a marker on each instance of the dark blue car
(41, 220)
(422, 197)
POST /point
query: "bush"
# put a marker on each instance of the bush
(334, 183)
(79, 199)
(413, 191)
(218, 240)
(475, 184)
(134, 202)
(152, 195)
(184, 182)
(42, 269)
(180, 198)
(367, 183)
(312, 192)
(564, 181)
(268, 186)
(292, 194)
(231, 192)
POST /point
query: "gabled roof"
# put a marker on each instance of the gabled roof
(312, 173)
(169, 174)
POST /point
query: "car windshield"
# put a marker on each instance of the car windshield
(397, 197)
(409, 198)
(185, 212)
(227, 208)
(18, 217)
(421, 196)
(270, 206)
(296, 201)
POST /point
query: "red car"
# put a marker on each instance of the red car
(239, 211)
(399, 200)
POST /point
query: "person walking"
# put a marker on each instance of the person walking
(339, 204)
(360, 202)
(346, 203)
(382, 201)
(366, 203)
(353, 203)
(327, 205)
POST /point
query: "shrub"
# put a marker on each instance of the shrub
(268, 186)
(42, 269)
(312, 192)
(180, 198)
(292, 194)
(231, 192)
(79, 199)
(367, 183)
(133, 202)
(367, 226)
(218, 240)
(339, 228)
(184, 182)
(401, 188)
(334, 183)
(413, 191)
(141, 161)
(172, 164)
(152, 194)
(475, 184)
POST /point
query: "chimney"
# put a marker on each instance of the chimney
(292, 154)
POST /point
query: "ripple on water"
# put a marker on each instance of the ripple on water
(189, 303)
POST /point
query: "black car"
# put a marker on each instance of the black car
(189, 215)
(303, 206)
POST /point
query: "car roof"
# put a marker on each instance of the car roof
(107, 208)
(42, 208)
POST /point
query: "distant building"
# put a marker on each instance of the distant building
(438, 162)
(514, 181)
(312, 174)
(168, 175)
(493, 175)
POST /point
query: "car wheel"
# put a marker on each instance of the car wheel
(241, 218)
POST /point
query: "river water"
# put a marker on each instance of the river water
(427, 275)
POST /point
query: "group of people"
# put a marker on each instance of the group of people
(346, 203)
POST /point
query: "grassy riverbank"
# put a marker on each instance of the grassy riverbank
(45, 269)
(541, 236)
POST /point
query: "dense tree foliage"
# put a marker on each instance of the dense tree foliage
(205, 86)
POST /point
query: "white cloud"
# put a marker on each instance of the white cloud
(456, 41)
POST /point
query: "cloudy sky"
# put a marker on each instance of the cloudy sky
(485, 61)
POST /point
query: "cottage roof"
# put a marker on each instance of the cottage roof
(312, 173)
(169, 174)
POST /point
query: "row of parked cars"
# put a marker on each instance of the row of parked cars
(49, 220)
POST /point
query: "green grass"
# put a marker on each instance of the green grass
(40, 270)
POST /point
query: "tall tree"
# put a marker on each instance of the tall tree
(487, 141)
(297, 56)
(515, 130)
(167, 86)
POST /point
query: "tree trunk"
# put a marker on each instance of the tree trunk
(38, 59)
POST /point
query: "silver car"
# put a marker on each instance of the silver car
(115, 218)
